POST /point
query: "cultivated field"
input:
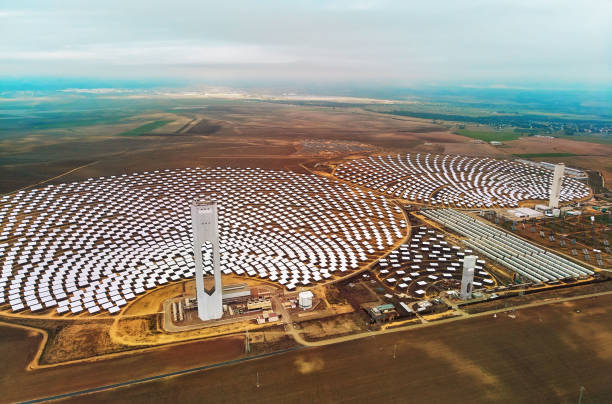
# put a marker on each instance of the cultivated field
(536, 355)
(215, 133)
(18, 347)
(588, 156)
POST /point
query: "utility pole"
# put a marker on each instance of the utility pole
(247, 343)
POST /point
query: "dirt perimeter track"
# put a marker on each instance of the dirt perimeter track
(543, 354)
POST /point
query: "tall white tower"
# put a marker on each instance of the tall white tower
(205, 229)
(555, 188)
(467, 280)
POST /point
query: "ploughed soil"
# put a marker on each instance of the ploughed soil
(18, 347)
(256, 134)
(590, 156)
(259, 134)
(536, 355)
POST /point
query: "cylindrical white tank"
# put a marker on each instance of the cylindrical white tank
(305, 299)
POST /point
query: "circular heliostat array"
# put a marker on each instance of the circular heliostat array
(428, 264)
(94, 245)
(457, 181)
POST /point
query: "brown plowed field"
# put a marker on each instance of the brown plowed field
(545, 145)
(590, 156)
(18, 346)
(543, 355)
(238, 135)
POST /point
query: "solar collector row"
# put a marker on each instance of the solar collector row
(528, 260)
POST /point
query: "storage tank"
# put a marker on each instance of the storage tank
(305, 299)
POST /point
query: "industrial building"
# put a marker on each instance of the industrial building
(382, 313)
(233, 293)
(259, 304)
(267, 315)
(236, 292)
(523, 214)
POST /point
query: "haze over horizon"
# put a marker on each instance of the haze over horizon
(493, 44)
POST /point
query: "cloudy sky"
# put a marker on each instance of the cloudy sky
(403, 42)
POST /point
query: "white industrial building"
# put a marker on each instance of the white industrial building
(525, 213)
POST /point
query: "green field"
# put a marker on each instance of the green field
(146, 128)
(488, 136)
(530, 155)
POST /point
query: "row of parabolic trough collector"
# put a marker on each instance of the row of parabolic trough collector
(531, 262)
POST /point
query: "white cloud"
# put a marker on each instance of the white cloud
(359, 5)
(97, 90)
(11, 13)
(156, 53)
(494, 41)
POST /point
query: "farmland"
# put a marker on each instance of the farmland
(484, 357)
(144, 129)
(488, 136)
(544, 155)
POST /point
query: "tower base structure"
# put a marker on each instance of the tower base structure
(555, 187)
(467, 279)
(205, 232)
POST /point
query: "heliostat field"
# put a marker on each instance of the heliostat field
(95, 245)
(456, 181)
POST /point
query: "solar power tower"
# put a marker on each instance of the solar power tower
(205, 231)
(555, 187)
(467, 280)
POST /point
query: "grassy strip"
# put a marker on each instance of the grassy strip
(529, 155)
(488, 136)
(145, 129)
